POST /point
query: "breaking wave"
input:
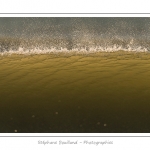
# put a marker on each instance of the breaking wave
(79, 35)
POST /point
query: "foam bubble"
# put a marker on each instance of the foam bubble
(115, 48)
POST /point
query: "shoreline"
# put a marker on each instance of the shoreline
(120, 53)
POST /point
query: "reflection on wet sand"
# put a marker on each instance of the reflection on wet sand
(101, 92)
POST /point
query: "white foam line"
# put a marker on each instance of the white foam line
(21, 51)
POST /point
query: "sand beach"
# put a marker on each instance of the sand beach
(75, 93)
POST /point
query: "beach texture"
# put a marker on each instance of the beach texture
(94, 93)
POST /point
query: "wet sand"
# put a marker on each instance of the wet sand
(64, 93)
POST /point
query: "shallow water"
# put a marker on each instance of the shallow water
(94, 93)
(40, 34)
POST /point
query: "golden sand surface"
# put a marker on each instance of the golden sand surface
(99, 92)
